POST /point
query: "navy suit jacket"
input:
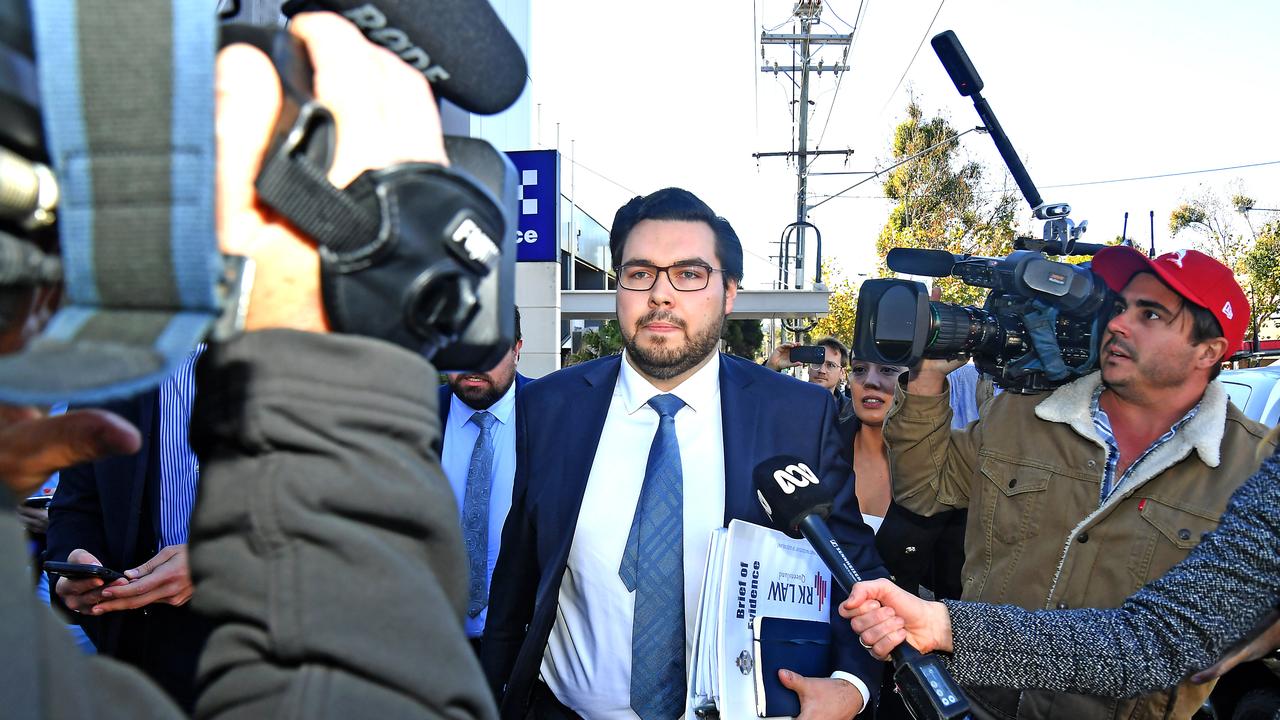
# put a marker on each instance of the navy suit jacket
(559, 419)
(111, 507)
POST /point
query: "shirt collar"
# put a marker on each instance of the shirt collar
(700, 391)
(460, 412)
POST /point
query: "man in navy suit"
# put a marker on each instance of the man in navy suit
(480, 463)
(626, 463)
(116, 512)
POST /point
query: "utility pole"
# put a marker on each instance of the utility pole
(807, 12)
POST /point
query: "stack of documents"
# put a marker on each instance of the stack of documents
(751, 570)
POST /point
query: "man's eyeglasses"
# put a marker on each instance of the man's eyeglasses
(685, 277)
(827, 366)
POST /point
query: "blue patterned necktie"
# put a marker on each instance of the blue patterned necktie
(475, 514)
(653, 568)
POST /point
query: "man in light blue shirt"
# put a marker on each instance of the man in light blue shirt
(478, 454)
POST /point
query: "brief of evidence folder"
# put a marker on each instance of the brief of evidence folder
(751, 571)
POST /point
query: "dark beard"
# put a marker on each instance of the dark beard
(664, 363)
(481, 398)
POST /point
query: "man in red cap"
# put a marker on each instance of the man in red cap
(1079, 497)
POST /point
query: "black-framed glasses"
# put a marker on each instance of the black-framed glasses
(685, 277)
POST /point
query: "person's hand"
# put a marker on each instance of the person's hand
(780, 358)
(822, 698)
(929, 375)
(378, 124)
(1264, 643)
(164, 578)
(34, 520)
(884, 615)
(33, 446)
(82, 596)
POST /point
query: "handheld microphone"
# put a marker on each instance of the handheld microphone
(460, 46)
(798, 504)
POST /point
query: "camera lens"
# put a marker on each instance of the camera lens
(956, 330)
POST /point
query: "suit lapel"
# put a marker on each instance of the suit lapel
(588, 411)
(739, 418)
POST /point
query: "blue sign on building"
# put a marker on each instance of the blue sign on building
(538, 216)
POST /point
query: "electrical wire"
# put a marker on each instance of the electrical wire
(833, 12)
(1163, 175)
(901, 162)
(913, 57)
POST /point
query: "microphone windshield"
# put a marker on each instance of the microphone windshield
(790, 490)
(461, 46)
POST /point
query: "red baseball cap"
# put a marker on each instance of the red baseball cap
(1192, 274)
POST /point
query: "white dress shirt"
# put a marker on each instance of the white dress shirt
(587, 662)
(459, 442)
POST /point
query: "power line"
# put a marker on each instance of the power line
(901, 162)
(913, 56)
(855, 17)
(1163, 175)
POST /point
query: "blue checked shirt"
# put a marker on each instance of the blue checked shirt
(1102, 424)
(179, 470)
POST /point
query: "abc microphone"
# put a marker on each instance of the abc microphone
(798, 504)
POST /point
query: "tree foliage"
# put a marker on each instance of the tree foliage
(842, 307)
(940, 202)
(599, 342)
(1253, 253)
(743, 338)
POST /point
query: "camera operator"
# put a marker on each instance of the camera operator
(325, 545)
(1182, 621)
(1081, 496)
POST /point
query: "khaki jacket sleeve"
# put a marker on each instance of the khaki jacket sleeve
(931, 465)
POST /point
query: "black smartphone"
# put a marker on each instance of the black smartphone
(811, 354)
(39, 502)
(82, 571)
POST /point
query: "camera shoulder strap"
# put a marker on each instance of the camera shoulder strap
(127, 90)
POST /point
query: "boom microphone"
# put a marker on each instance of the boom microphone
(460, 46)
(798, 504)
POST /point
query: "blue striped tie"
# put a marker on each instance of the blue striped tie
(475, 514)
(653, 568)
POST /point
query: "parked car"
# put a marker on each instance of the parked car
(1256, 391)
(1250, 691)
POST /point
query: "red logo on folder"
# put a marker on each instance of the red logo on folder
(820, 584)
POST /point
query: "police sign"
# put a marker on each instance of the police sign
(538, 213)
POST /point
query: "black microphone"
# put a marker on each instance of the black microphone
(919, 261)
(798, 504)
(460, 46)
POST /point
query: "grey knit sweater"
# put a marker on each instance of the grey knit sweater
(1177, 624)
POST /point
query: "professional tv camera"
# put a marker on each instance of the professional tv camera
(1042, 322)
(106, 125)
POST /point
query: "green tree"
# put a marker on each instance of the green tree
(940, 203)
(1253, 253)
(743, 338)
(841, 309)
(597, 343)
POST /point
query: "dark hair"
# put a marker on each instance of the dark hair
(1204, 326)
(677, 204)
(834, 344)
(517, 308)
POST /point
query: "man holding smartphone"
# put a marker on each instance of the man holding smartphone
(131, 514)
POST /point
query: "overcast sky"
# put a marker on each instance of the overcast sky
(662, 93)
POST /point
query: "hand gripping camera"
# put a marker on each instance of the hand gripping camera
(1042, 322)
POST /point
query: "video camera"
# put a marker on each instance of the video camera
(417, 254)
(1042, 322)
